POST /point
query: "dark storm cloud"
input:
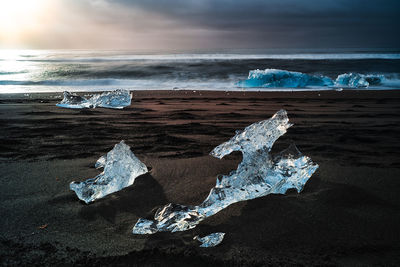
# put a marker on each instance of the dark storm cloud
(213, 24)
(277, 22)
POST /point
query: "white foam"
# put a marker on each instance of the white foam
(184, 57)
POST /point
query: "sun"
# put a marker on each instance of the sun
(18, 17)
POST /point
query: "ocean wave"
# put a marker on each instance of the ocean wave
(83, 82)
(232, 67)
(207, 57)
(12, 72)
(270, 79)
(132, 84)
(112, 84)
(87, 71)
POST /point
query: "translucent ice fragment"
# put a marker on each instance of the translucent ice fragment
(258, 174)
(283, 78)
(116, 99)
(356, 80)
(121, 168)
(210, 240)
(144, 226)
(71, 100)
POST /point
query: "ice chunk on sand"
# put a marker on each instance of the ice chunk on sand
(121, 168)
(356, 80)
(258, 174)
(275, 78)
(210, 240)
(116, 99)
(71, 100)
(283, 78)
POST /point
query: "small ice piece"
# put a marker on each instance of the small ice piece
(144, 227)
(210, 240)
(258, 174)
(121, 167)
(357, 80)
(117, 99)
(71, 100)
(271, 78)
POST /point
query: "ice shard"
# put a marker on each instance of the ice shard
(121, 167)
(117, 99)
(210, 240)
(71, 100)
(258, 174)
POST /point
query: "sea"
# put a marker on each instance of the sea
(29, 71)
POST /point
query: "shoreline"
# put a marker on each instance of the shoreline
(194, 92)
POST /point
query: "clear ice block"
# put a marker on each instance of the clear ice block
(121, 167)
(258, 174)
(117, 99)
(210, 240)
(356, 80)
(272, 78)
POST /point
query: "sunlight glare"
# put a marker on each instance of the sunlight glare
(18, 17)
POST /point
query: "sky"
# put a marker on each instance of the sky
(199, 24)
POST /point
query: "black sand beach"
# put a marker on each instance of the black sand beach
(347, 215)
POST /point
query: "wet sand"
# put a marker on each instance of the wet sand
(348, 213)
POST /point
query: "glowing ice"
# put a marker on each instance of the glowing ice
(121, 168)
(71, 100)
(272, 78)
(116, 99)
(257, 175)
(357, 80)
(210, 240)
(283, 78)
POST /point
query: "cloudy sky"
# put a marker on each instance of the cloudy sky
(199, 24)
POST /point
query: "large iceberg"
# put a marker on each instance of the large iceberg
(258, 174)
(356, 80)
(275, 78)
(283, 78)
(210, 240)
(117, 99)
(121, 167)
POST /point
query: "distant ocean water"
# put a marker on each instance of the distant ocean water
(27, 71)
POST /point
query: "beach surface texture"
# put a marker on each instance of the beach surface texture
(348, 213)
